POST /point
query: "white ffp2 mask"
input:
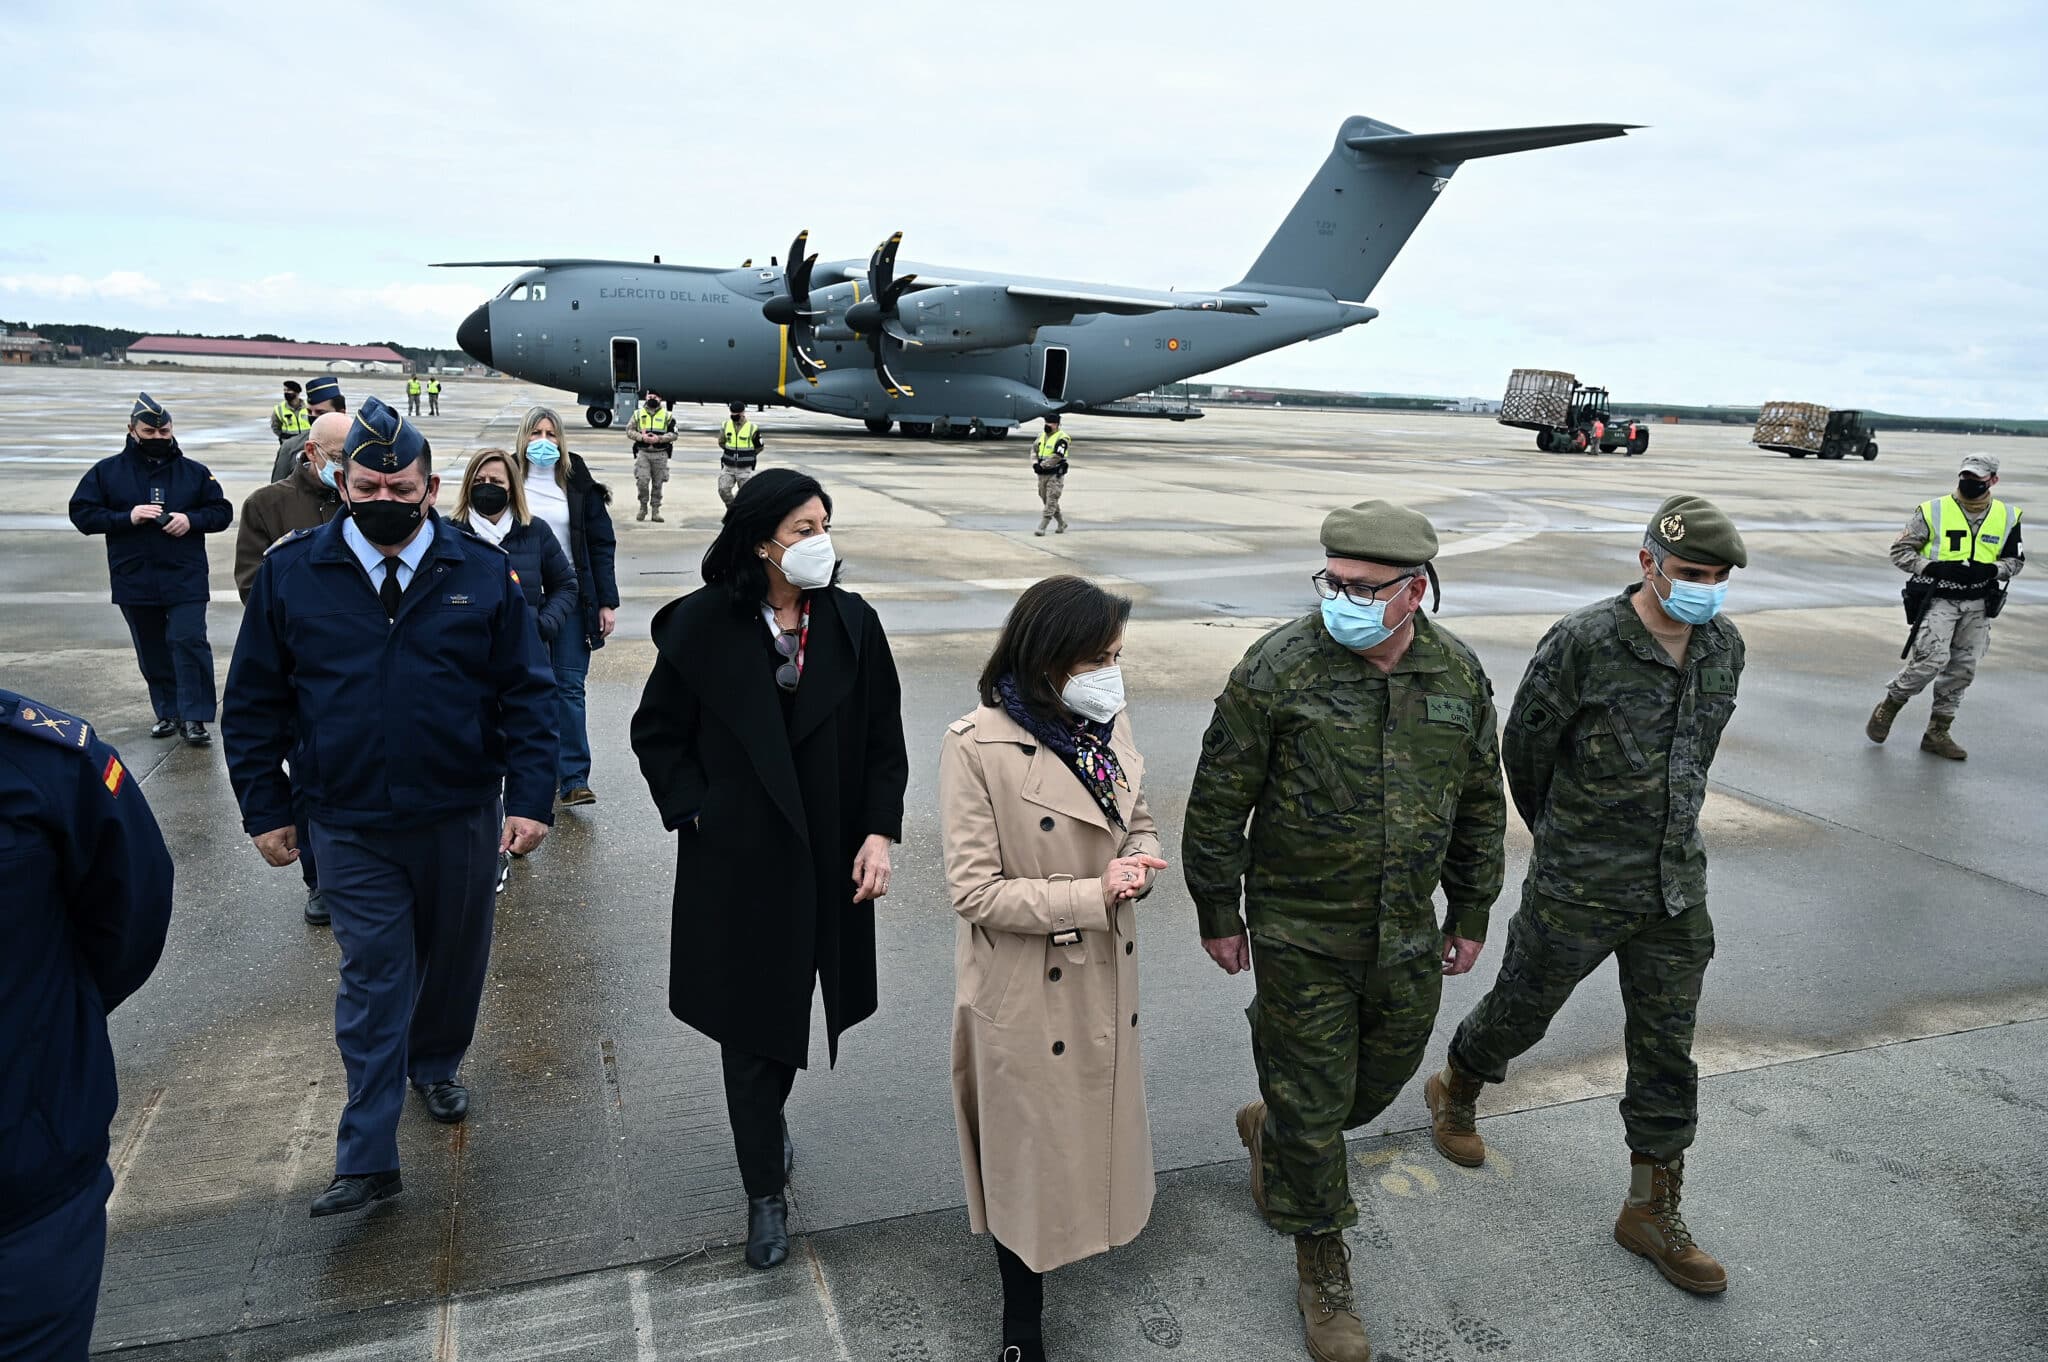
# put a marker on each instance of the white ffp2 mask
(808, 563)
(1096, 695)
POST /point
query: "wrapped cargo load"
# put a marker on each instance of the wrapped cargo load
(1537, 399)
(1790, 427)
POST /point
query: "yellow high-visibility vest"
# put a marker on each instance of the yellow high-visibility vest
(651, 422)
(1948, 532)
(293, 420)
(433, 387)
(1052, 445)
(412, 387)
(739, 437)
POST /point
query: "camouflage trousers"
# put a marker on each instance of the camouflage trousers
(730, 479)
(1334, 1041)
(1049, 497)
(1662, 960)
(650, 472)
(1953, 638)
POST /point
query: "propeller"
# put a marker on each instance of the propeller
(875, 317)
(792, 307)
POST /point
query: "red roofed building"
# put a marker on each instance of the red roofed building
(198, 353)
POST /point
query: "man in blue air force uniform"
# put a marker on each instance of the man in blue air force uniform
(391, 656)
(87, 904)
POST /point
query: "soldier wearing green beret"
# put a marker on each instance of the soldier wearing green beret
(1359, 743)
(1607, 748)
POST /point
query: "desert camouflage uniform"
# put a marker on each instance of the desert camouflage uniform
(1607, 747)
(1955, 631)
(1365, 791)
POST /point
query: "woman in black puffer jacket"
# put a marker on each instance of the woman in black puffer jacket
(492, 506)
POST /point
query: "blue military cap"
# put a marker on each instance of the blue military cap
(149, 412)
(381, 440)
(326, 388)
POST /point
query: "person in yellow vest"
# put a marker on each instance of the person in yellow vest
(291, 416)
(1962, 551)
(433, 396)
(654, 439)
(739, 447)
(412, 394)
(1049, 462)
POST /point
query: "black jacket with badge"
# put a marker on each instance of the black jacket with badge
(769, 814)
(148, 566)
(87, 908)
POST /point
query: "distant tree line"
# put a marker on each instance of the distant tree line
(101, 340)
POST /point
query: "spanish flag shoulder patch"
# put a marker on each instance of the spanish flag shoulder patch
(114, 775)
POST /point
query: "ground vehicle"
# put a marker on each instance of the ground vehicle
(1803, 428)
(1567, 415)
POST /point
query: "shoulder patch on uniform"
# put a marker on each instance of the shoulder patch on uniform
(513, 573)
(283, 539)
(51, 725)
(960, 726)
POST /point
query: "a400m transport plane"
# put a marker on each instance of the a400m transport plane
(962, 351)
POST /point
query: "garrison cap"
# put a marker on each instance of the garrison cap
(149, 412)
(1699, 531)
(326, 388)
(1380, 532)
(1983, 465)
(381, 440)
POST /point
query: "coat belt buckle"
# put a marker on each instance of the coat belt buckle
(1070, 937)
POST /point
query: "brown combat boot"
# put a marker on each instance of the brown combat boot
(1328, 1311)
(1450, 1095)
(1651, 1226)
(1251, 1129)
(1937, 740)
(1879, 726)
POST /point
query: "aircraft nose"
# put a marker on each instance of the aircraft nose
(474, 335)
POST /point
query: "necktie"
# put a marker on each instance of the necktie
(389, 592)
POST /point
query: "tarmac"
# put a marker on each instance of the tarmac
(1873, 1039)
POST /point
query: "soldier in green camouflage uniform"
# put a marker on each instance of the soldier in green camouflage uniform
(1607, 748)
(1364, 756)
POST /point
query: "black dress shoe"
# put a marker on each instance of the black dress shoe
(164, 728)
(788, 1150)
(447, 1101)
(767, 1230)
(196, 734)
(316, 908)
(352, 1193)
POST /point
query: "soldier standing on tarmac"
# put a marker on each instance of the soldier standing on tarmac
(412, 394)
(1049, 462)
(654, 440)
(1607, 748)
(433, 395)
(1962, 551)
(739, 447)
(1360, 744)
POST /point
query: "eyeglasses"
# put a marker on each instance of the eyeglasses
(1358, 593)
(789, 646)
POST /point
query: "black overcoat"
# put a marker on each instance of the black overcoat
(768, 816)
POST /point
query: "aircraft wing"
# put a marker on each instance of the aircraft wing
(1129, 302)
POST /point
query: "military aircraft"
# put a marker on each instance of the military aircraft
(963, 351)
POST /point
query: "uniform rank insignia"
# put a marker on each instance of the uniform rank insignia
(1672, 527)
(114, 774)
(459, 599)
(57, 728)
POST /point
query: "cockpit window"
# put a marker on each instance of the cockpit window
(514, 293)
(540, 293)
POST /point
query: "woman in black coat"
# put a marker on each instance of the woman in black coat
(491, 503)
(771, 735)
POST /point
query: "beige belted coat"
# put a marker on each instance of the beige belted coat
(1048, 1083)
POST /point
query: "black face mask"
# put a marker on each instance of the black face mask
(385, 523)
(1971, 489)
(489, 498)
(154, 450)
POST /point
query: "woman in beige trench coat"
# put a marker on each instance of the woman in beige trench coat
(1048, 847)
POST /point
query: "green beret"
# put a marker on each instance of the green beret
(1380, 532)
(1699, 531)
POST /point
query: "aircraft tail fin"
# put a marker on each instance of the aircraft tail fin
(1372, 191)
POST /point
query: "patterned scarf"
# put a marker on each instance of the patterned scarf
(1082, 743)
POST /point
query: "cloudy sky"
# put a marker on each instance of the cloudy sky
(1844, 203)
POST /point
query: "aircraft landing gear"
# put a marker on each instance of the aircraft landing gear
(995, 432)
(878, 425)
(916, 429)
(599, 417)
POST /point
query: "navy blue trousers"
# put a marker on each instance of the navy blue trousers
(50, 1279)
(176, 661)
(413, 910)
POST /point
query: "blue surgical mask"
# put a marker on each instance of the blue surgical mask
(1693, 602)
(327, 473)
(543, 453)
(1357, 627)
